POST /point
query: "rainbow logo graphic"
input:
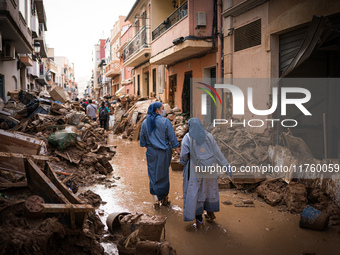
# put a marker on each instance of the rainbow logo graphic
(204, 97)
(208, 92)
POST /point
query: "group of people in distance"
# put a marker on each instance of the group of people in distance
(101, 113)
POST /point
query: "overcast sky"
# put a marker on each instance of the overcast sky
(75, 26)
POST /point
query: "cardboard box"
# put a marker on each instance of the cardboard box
(59, 94)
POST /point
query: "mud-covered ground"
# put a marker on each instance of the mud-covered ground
(269, 226)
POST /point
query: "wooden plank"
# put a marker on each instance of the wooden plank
(40, 184)
(49, 170)
(66, 208)
(244, 205)
(23, 156)
(13, 185)
(15, 142)
(14, 162)
(79, 218)
(53, 191)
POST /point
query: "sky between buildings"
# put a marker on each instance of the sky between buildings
(75, 26)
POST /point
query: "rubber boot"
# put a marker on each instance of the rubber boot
(155, 202)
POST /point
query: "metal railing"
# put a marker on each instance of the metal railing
(138, 42)
(174, 17)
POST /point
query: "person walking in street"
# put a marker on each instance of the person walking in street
(200, 189)
(103, 115)
(84, 104)
(158, 136)
(91, 110)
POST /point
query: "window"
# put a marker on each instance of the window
(248, 36)
(22, 8)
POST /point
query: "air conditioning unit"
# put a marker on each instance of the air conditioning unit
(8, 51)
(201, 19)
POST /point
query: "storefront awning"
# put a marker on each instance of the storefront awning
(120, 91)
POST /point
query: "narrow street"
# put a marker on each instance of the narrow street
(246, 91)
(259, 230)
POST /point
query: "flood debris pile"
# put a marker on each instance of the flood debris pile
(129, 121)
(49, 148)
(288, 190)
(129, 118)
(295, 196)
(87, 157)
(22, 235)
(69, 135)
(241, 147)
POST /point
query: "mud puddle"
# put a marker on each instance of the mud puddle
(237, 230)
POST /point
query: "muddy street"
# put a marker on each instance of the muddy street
(237, 230)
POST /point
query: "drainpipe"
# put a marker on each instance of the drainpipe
(219, 39)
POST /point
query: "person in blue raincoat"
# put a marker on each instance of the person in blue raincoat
(158, 136)
(200, 191)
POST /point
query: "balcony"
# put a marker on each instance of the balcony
(41, 39)
(34, 26)
(170, 21)
(125, 39)
(112, 69)
(138, 49)
(26, 60)
(42, 79)
(178, 37)
(14, 28)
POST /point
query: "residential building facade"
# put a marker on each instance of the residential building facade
(23, 23)
(98, 58)
(288, 39)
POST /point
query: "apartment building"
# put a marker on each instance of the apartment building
(173, 41)
(136, 52)
(22, 45)
(65, 76)
(289, 39)
(127, 81)
(114, 68)
(184, 41)
(98, 59)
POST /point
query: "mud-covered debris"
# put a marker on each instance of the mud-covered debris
(296, 197)
(89, 197)
(224, 183)
(272, 191)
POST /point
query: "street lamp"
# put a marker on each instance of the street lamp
(36, 46)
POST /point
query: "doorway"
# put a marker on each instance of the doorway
(146, 90)
(172, 90)
(138, 85)
(154, 78)
(186, 93)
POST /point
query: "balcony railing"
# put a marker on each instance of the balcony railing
(174, 17)
(138, 42)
